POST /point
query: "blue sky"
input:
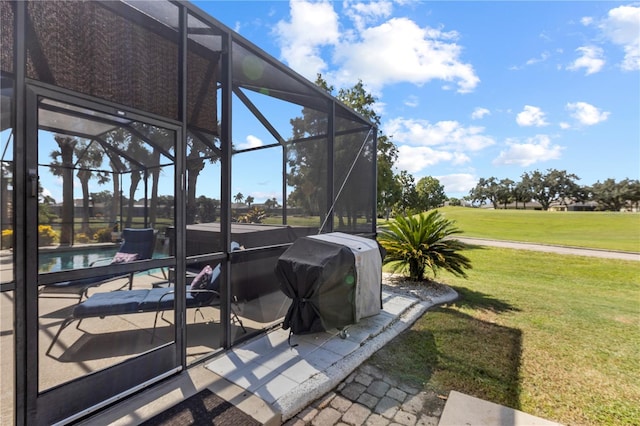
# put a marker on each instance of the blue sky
(471, 89)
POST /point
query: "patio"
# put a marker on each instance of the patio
(275, 376)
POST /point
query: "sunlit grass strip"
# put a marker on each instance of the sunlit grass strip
(604, 230)
(555, 336)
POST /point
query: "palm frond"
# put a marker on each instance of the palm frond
(424, 241)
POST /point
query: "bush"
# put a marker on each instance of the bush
(82, 238)
(255, 215)
(7, 239)
(415, 243)
(103, 235)
(46, 235)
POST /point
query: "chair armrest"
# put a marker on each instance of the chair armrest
(203, 290)
(103, 261)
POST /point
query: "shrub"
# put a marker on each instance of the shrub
(255, 215)
(420, 242)
(46, 235)
(103, 235)
(82, 238)
(7, 239)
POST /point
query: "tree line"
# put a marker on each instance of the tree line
(555, 186)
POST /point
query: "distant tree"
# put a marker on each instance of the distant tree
(614, 196)
(486, 190)
(408, 194)
(522, 191)
(634, 193)
(89, 158)
(453, 201)
(62, 165)
(307, 160)
(271, 203)
(238, 198)
(207, 209)
(505, 192)
(565, 186)
(389, 192)
(430, 193)
(249, 200)
(555, 185)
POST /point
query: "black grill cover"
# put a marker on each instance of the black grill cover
(320, 278)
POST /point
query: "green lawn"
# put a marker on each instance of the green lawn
(555, 336)
(604, 230)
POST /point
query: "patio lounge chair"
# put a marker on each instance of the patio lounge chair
(201, 293)
(137, 245)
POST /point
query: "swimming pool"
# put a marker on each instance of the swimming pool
(54, 261)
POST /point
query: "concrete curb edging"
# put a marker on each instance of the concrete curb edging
(299, 398)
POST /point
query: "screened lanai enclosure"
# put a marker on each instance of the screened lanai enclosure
(155, 165)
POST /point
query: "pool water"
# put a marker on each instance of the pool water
(60, 261)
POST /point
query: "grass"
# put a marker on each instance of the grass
(603, 230)
(555, 336)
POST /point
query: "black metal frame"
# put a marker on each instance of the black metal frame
(32, 407)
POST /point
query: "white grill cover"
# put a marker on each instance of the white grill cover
(368, 263)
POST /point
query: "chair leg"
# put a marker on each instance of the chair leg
(236, 318)
(64, 325)
(194, 314)
(155, 322)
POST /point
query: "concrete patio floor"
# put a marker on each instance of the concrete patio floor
(275, 377)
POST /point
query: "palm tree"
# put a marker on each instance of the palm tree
(415, 243)
(249, 200)
(238, 197)
(62, 165)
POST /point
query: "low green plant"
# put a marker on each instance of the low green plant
(415, 244)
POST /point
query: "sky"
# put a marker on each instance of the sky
(475, 89)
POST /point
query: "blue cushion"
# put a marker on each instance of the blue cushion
(110, 303)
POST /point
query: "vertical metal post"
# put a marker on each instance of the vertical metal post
(25, 389)
(374, 213)
(225, 182)
(180, 190)
(284, 185)
(331, 137)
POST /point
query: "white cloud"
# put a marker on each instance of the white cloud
(422, 144)
(533, 150)
(415, 158)
(312, 25)
(401, 51)
(564, 125)
(449, 135)
(362, 13)
(586, 21)
(397, 50)
(457, 182)
(531, 116)
(591, 60)
(412, 101)
(251, 142)
(586, 114)
(542, 58)
(479, 113)
(622, 27)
